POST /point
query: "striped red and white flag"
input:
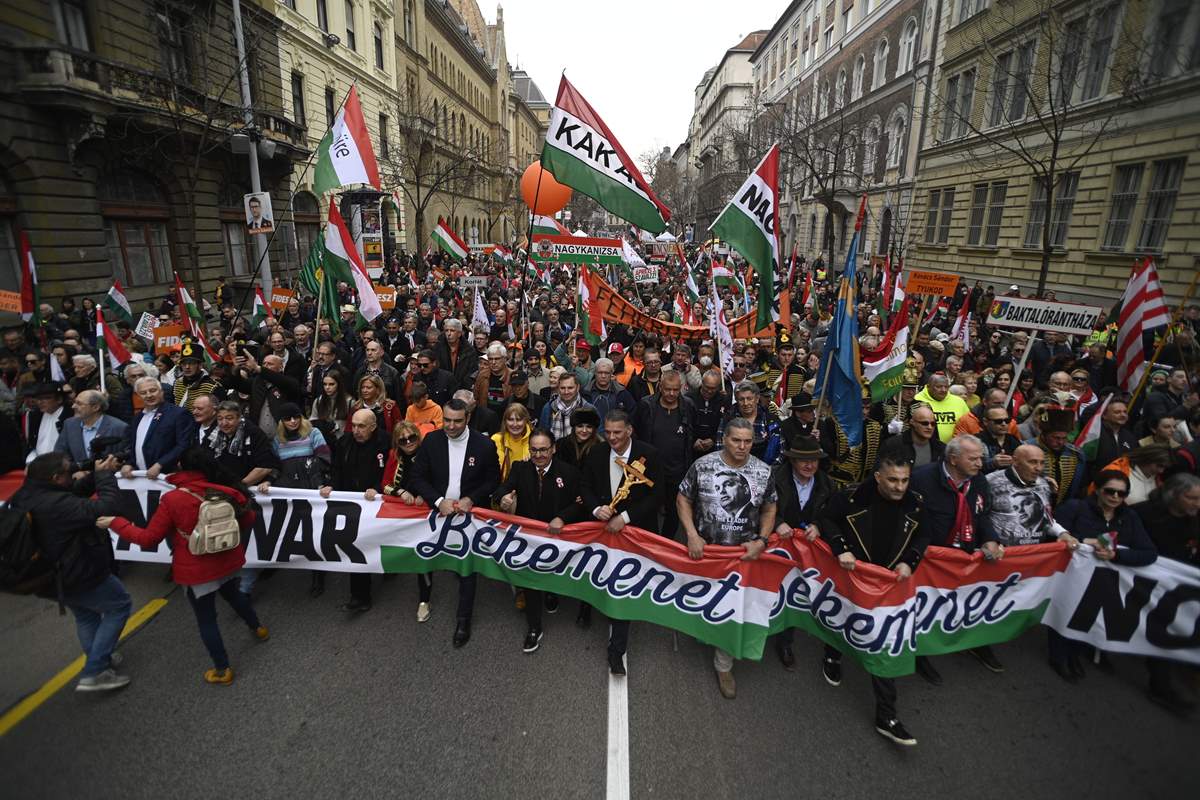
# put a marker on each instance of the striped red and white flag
(1143, 308)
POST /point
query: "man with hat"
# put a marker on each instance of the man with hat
(791, 376)
(537, 377)
(579, 362)
(191, 380)
(519, 393)
(850, 466)
(802, 418)
(801, 489)
(1066, 466)
(44, 424)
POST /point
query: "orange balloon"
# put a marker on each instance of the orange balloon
(551, 196)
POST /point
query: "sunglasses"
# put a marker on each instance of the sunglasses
(1115, 492)
(1079, 379)
(922, 422)
(31, 361)
(410, 439)
(290, 417)
(424, 364)
(999, 419)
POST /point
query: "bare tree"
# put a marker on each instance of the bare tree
(194, 100)
(1049, 99)
(435, 157)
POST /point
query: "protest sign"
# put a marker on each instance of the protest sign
(146, 325)
(473, 282)
(576, 249)
(647, 274)
(1043, 315)
(279, 298)
(387, 297)
(939, 284)
(167, 338)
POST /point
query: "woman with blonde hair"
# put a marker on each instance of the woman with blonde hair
(512, 442)
(373, 396)
(406, 438)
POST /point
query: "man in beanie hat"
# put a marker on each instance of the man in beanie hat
(1066, 466)
(191, 380)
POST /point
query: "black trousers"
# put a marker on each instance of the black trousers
(618, 639)
(466, 596)
(534, 600)
(670, 523)
(884, 689)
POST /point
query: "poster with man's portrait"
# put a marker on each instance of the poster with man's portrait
(259, 217)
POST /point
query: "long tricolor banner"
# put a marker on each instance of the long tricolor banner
(953, 601)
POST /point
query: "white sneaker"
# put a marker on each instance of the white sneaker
(423, 612)
(104, 682)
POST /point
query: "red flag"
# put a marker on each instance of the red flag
(29, 282)
(1142, 308)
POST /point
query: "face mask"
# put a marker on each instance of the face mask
(705, 361)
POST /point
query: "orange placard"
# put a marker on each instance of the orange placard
(939, 284)
(10, 301)
(387, 297)
(167, 338)
(280, 298)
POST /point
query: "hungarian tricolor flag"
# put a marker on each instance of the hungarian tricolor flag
(109, 343)
(189, 313)
(682, 311)
(581, 152)
(808, 300)
(30, 295)
(548, 225)
(118, 304)
(341, 256)
(262, 311)
(749, 223)
(588, 311)
(1088, 439)
(962, 326)
(502, 254)
(344, 156)
(449, 241)
(897, 294)
(883, 367)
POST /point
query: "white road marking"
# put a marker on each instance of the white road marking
(618, 737)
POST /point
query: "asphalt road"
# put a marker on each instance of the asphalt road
(379, 706)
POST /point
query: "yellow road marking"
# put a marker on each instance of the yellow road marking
(30, 704)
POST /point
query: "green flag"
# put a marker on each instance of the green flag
(310, 277)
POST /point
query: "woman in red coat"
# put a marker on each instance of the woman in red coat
(205, 576)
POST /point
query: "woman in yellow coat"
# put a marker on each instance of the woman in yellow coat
(512, 442)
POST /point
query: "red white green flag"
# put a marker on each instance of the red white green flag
(117, 303)
(344, 156)
(883, 367)
(448, 240)
(109, 343)
(749, 223)
(262, 310)
(548, 225)
(808, 291)
(588, 311)
(581, 152)
(30, 295)
(189, 313)
(341, 256)
(1088, 440)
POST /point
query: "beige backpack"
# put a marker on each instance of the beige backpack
(217, 528)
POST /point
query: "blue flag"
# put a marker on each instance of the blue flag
(840, 363)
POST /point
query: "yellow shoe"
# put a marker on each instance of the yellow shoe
(261, 633)
(219, 676)
(520, 601)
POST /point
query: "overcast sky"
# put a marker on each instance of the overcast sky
(636, 61)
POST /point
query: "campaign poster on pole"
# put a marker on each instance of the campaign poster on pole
(260, 218)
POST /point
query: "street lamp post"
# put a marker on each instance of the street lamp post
(260, 242)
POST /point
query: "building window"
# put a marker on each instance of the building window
(1175, 43)
(139, 250)
(870, 153)
(351, 40)
(1104, 25)
(937, 216)
(383, 135)
(1060, 221)
(322, 16)
(1010, 85)
(408, 23)
(847, 19)
(908, 47)
(827, 40)
(1160, 204)
(378, 34)
(1123, 205)
(298, 115)
(812, 231)
(823, 105)
(330, 106)
(172, 45)
(987, 210)
(1068, 60)
(839, 94)
(959, 98)
(70, 18)
(879, 68)
(860, 71)
(969, 8)
(896, 135)
(239, 256)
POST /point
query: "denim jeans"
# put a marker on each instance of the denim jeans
(100, 615)
(247, 578)
(205, 609)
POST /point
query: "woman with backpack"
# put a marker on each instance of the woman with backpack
(203, 485)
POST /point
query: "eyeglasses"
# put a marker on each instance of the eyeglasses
(410, 439)
(1079, 378)
(424, 364)
(1002, 420)
(540, 449)
(922, 422)
(1111, 492)
(31, 361)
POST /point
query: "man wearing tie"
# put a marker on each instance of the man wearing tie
(545, 489)
(454, 470)
(602, 476)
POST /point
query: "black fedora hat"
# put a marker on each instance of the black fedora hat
(805, 447)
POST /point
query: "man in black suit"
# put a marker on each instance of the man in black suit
(479, 418)
(545, 489)
(601, 478)
(802, 488)
(454, 470)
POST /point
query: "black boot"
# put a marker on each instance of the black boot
(317, 587)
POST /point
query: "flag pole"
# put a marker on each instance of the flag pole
(1163, 341)
(317, 339)
(529, 243)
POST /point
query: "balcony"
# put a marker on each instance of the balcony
(57, 76)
